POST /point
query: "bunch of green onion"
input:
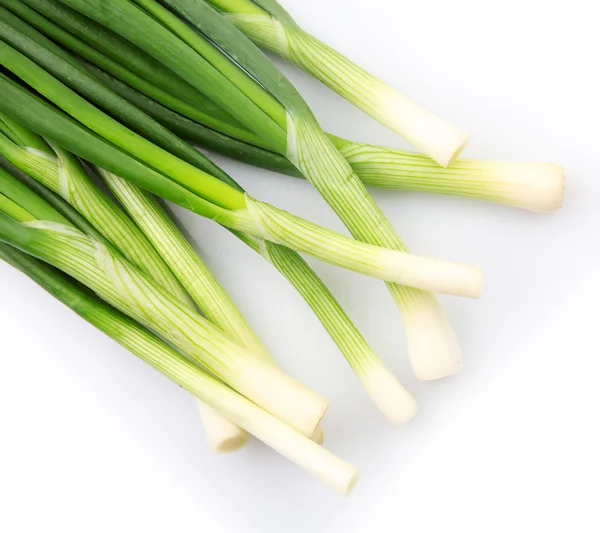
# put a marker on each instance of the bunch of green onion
(117, 93)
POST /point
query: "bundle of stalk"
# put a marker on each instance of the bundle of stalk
(125, 85)
(291, 130)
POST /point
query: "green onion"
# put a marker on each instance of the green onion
(91, 48)
(55, 201)
(22, 204)
(396, 403)
(68, 177)
(398, 406)
(532, 186)
(269, 26)
(116, 281)
(62, 173)
(321, 463)
(256, 217)
(200, 283)
(431, 341)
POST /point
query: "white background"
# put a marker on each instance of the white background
(93, 440)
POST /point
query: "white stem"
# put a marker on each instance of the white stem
(397, 266)
(391, 398)
(223, 435)
(433, 348)
(333, 471)
(395, 403)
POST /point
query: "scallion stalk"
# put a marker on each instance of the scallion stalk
(200, 283)
(62, 173)
(269, 26)
(116, 281)
(532, 186)
(397, 405)
(433, 348)
(536, 187)
(253, 217)
(66, 175)
(321, 463)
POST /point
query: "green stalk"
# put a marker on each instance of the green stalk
(63, 174)
(218, 60)
(200, 283)
(138, 27)
(54, 200)
(50, 123)
(107, 43)
(433, 347)
(202, 110)
(267, 24)
(14, 210)
(532, 186)
(70, 179)
(258, 219)
(195, 276)
(391, 398)
(192, 178)
(333, 471)
(120, 284)
(24, 203)
(399, 405)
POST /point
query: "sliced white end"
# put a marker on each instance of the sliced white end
(318, 436)
(330, 469)
(433, 275)
(391, 398)
(281, 395)
(430, 134)
(533, 186)
(433, 348)
(223, 436)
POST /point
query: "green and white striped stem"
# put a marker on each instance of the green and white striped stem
(120, 284)
(200, 283)
(390, 397)
(306, 145)
(62, 173)
(430, 134)
(400, 405)
(533, 186)
(321, 463)
(398, 266)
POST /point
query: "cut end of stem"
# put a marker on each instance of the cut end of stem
(430, 134)
(223, 435)
(283, 396)
(536, 187)
(432, 346)
(391, 398)
(435, 275)
(318, 436)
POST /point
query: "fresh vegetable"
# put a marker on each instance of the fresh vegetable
(115, 280)
(256, 93)
(396, 404)
(321, 463)
(241, 212)
(272, 28)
